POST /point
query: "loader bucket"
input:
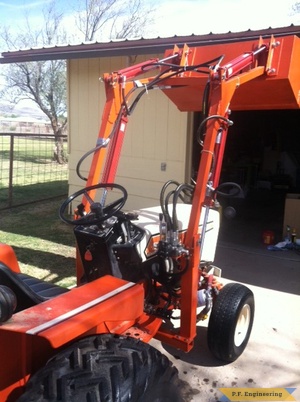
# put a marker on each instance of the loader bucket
(279, 90)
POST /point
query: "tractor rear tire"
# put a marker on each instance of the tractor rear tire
(231, 322)
(105, 368)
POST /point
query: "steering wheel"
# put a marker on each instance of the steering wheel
(98, 212)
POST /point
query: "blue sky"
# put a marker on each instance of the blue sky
(13, 11)
(176, 17)
(9, 8)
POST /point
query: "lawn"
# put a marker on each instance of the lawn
(44, 245)
(28, 171)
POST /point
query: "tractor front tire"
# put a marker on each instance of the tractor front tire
(230, 322)
(105, 368)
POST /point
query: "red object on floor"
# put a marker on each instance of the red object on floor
(268, 237)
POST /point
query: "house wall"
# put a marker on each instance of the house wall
(156, 134)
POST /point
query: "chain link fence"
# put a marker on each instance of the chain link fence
(28, 170)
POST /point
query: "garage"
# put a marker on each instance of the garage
(262, 155)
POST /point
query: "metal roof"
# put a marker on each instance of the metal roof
(137, 46)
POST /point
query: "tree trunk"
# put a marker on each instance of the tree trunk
(59, 155)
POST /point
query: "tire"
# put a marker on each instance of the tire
(105, 368)
(231, 322)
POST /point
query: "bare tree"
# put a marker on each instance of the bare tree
(93, 16)
(43, 82)
(136, 18)
(296, 8)
(99, 19)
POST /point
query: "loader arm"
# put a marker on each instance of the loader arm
(180, 73)
(118, 86)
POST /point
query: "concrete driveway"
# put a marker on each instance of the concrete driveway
(272, 357)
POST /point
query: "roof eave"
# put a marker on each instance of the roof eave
(137, 46)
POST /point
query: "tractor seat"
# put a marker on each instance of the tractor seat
(28, 290)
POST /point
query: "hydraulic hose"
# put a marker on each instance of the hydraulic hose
(214, 116)
(229, 184)
(97, 147)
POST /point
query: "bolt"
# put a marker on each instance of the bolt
(275, 44)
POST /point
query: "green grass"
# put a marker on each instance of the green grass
(35, 150)
(35, 174)
(45, 246)
(33, 192)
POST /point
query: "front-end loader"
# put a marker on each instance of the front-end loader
(147, 273)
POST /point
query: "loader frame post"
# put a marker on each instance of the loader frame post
(222, 89)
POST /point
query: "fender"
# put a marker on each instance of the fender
(34, 335)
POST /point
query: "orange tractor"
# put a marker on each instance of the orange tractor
(149, 273)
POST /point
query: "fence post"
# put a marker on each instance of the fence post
(11, 171)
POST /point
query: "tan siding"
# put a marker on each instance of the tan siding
(156, 133)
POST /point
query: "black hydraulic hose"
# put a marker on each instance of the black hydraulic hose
(206, 64)
(93, 150)
(177, 194)
(204, 110)
(129, 109)
(168, 215)
(237, 187)
(163, 206)
(161, 77)
(214, 116)
(97, 147)
(124, 100)
(205, 99)
(146, 88)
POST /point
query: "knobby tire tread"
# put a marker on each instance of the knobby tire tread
(105, 368)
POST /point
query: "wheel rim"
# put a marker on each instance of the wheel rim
(242, 325)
